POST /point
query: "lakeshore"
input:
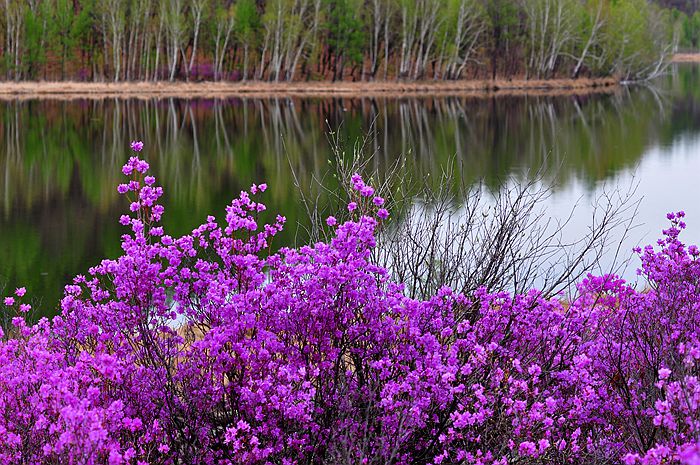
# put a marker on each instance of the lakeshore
(686, 58)
(256, 89)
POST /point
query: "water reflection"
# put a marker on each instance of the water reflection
(60, 160)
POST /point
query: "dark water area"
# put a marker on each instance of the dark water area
(60, 159)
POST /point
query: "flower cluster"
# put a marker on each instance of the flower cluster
(136, 145)
(211, 349)
(12, 304)
(366, 192)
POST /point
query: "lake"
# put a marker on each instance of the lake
(60, 159)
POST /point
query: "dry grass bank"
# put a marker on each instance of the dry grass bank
(686, 58)
(69, 90)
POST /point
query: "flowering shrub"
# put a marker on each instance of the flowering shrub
(211, 349)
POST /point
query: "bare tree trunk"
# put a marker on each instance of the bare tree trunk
(130, 49)
(307, 38)
(245, 62)
(198, 7)
(386, 43)
(14, 17)
(375, 36)
(597, 24)
(176, 29)
(113, 23)
(159, 36)
(409, 26)
(263, 54)
(224, 27)
(428, 18)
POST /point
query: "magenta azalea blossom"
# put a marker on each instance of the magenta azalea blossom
(136, 145)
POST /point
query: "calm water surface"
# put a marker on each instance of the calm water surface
(60, 160)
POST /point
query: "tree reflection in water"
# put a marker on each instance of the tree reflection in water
(59, 160)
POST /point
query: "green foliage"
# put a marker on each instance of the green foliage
(345, 35)
(504, 17)
(690, 29)
(35, 40)
(63, 29)
(247, 22)
(635, 34)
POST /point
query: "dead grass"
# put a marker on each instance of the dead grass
(96, 90)
(686, 58)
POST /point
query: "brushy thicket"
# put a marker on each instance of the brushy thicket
(211, 349)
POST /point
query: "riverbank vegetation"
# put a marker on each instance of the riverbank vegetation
(360, 40)
(213, 348)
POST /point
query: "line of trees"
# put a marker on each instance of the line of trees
(283, 40)
(689, 38)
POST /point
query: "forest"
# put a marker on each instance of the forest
(359, 40)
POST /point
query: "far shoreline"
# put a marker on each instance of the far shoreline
(25, 90)
(686, 58)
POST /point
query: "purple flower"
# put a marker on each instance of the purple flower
(122, 188)
(378, 201)
(383, 213)
(20, 291)
(136, 145)
(331, 221)
(357, 182)
(141, 166)
(527, 448)
(9, 301)
(352, 206)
